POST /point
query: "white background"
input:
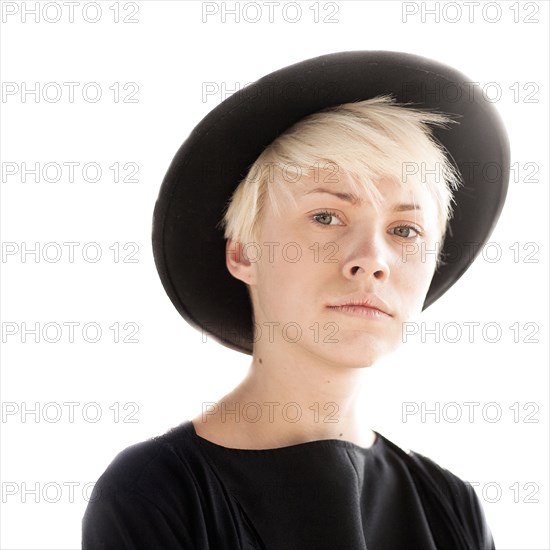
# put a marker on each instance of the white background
(162, 380)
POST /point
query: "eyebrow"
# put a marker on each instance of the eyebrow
(353, 199)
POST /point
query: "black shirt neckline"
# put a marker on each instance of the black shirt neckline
(291, 448)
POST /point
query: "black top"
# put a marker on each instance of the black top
(181, 491)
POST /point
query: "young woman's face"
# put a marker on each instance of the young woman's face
(326, 248)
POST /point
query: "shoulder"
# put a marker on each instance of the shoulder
(426, 468)
(151, 462)
(149, 489)
(452, 485)
(452, 505)
(462, 498)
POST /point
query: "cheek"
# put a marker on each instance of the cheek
(290, 277)
(291, 268)
(414, 278)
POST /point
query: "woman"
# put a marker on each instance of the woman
(335, 203)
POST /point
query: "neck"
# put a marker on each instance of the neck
(286, 399)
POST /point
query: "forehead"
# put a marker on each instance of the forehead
(394, 195)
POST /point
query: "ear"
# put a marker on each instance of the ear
(238, 264)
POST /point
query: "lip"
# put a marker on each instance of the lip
(362, 311)
(362, 303)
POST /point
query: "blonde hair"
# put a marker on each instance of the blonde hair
(367, 140)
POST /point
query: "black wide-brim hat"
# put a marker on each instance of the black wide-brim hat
(189, 246)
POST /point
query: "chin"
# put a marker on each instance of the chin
(355, 356)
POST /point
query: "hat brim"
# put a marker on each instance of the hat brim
(188, 246)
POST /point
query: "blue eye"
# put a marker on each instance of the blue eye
(409, 227)
(325, 214)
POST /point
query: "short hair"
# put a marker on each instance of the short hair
(367, 140)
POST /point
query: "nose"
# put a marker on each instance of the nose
(366, 256)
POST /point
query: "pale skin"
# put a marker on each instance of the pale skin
(359, 250)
